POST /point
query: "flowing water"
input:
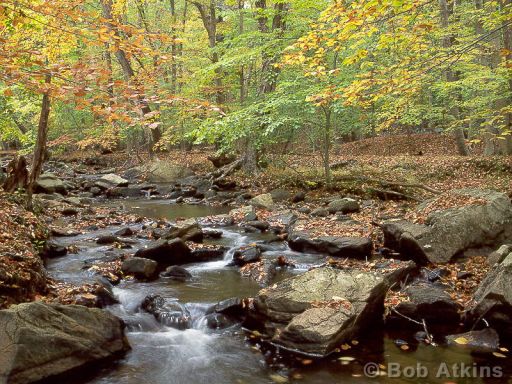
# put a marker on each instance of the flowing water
(198, 355)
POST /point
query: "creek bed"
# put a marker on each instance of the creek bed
(199, 355)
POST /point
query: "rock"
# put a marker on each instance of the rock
(264, 201)
(210, 253)
(245, 255)
(125, 232)
(130, 191)
(222, 159)
(233, 307)
(305, 210)
(69, 211)
(315, 312)
(95, 191)
(212, 234)
(259, 225)
(486, 340)
(107, 239)
(46, 341)
(49, 183)
(188, 230)
(451, 231)
(354, 247)
(176, 273)
(111, 180)
(429, 302)
(320, 212)
(168, 312)
(63, 232)
(299, 197)
(142, 269)
(499, 255)
(218, 321)
(52, 249)
(345, 205)
(224, 185)
(160, 171)
(242, 211)
(493, 300)
(165, 253)
(280, 195)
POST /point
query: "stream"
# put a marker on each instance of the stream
(201, 355)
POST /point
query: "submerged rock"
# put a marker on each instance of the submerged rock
(168, 312)
(315, 312)
(42, 341)
(448, 232)
(176, 272)
(188, 230)
(486, 340)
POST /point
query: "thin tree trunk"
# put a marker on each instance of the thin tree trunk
(327, 146)
(125, 64)
(40, 148)
(451, 77)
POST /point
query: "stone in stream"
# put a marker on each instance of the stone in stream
(107, 239)
(176, 272)
(212, 234)
(142, 269)
(315, 312)
(111, 180)
(493, 300)
(208, 253)
(354, 247)
(448, 232)
(247, 254)
(168, 312)
(47, 341)
(52, 249)
(485, 340)
(162, 171)
(258, 224)
(188, 230)
(429, 302)
(49, 183)
(166, 252)
(127, 231)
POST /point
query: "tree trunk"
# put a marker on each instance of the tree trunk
(40, 148)
(507, 45)
(451, 77)
(127, 68)
(327, 146)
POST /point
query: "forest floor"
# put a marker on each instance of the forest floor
(356, 173)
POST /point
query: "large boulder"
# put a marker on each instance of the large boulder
(44, 341)
(448, 232)
(493, 300)
(165, 253)
(159, 171)
(49, 183)
(315, 312)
